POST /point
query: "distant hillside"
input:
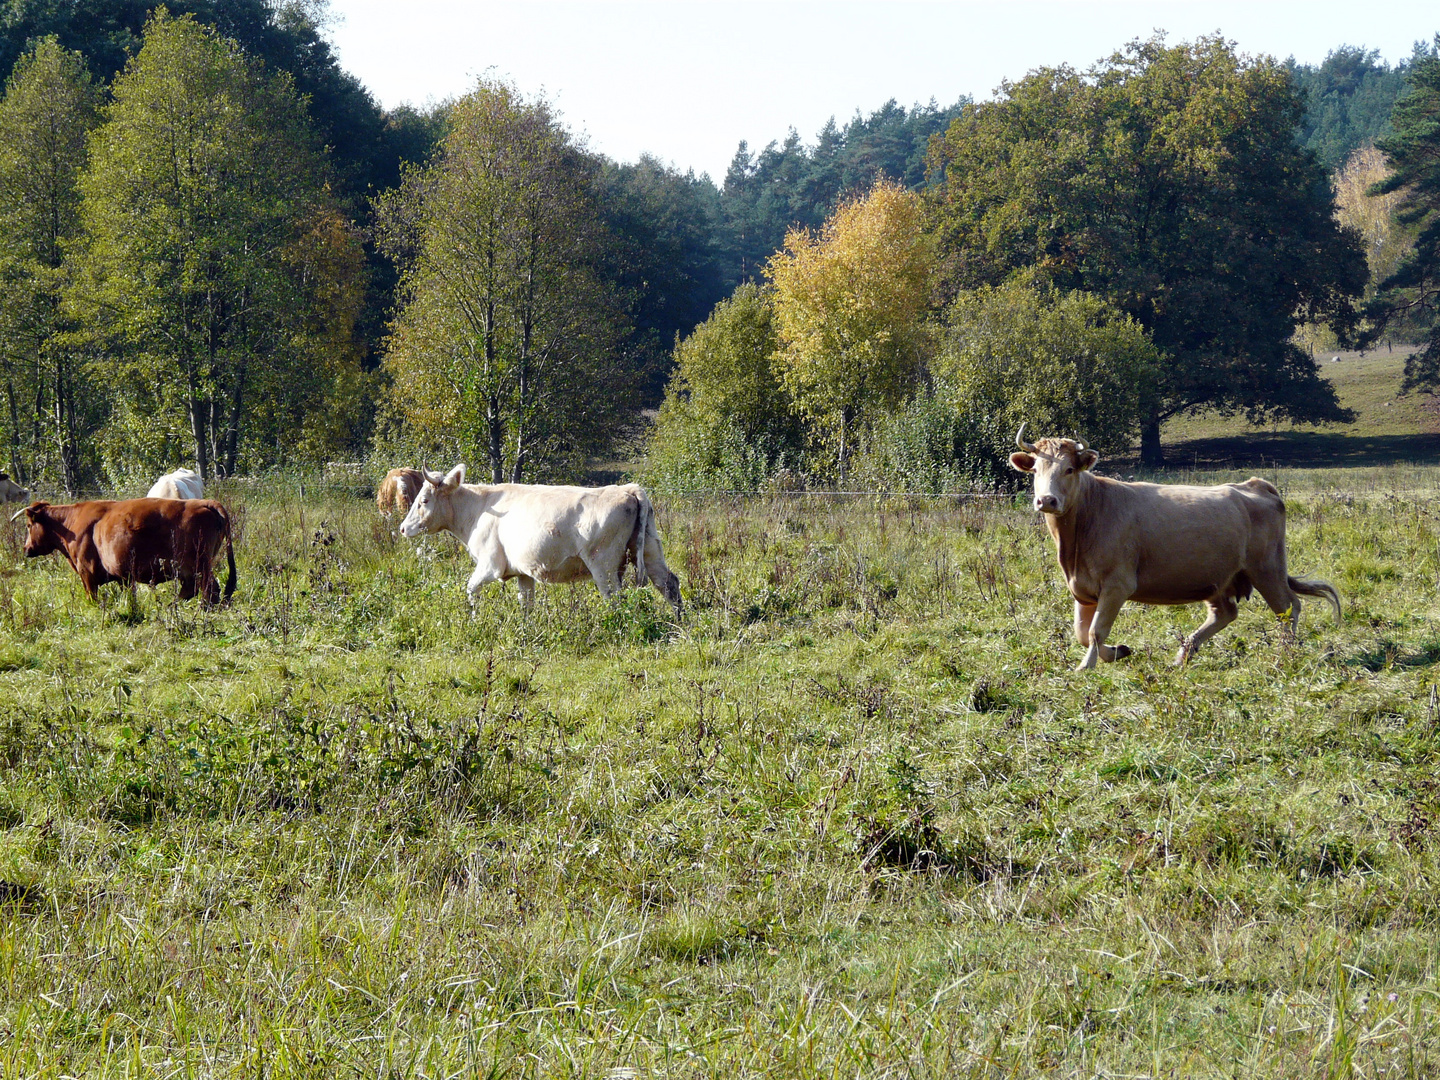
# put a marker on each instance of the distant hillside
(1389, 427)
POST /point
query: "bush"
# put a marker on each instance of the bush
(927, 445)
(1065, 363)
(726, 423)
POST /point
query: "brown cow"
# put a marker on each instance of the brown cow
(137, 540)
(1160, 544)
(398, 490)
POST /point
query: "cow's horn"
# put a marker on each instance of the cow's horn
(1029, 448)
(18, 512)
(1079, 446)
(434, 479)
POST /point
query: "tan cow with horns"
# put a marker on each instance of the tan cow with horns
(1160, 544)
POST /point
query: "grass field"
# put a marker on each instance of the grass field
(1389, 426)
(856, 816)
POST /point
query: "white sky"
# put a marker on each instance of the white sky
(688, 79)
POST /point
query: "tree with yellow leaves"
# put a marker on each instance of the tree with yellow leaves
(849, 306)
(1372, 216)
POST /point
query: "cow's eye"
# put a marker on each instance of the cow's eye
(1069, 470)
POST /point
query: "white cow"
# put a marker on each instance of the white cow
(180, 484)
(538, 532)
(11, 491)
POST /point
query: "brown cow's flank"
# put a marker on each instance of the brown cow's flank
(141, 541)
(398, 490)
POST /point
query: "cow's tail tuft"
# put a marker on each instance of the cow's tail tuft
(1321, 589)
(230, 557)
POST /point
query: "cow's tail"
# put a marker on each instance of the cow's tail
(229, 557)
(1321, 589)
(644, 525)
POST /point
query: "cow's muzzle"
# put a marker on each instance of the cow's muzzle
(1047, 504)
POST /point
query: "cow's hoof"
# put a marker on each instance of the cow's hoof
(1121, 651)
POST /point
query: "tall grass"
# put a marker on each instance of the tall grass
(854, 816)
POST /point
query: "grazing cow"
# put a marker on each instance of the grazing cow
(535, 532)
(11, 491)
(1160, 544)
(143, 541)
(180, 484)
(398, 490)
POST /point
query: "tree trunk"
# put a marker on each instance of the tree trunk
(232, 432)
(1152, 456)
(197, 431)
(198, 414)
(496, 448)
(65, 427)
(846, 415)
(17, 463)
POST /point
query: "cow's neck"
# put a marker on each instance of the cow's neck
(1067, 528)
(467, 509)
(59, 518)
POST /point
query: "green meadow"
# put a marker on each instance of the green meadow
(854, 816)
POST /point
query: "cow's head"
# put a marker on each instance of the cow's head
(431, 511)
(1057, 465)
(42, 538)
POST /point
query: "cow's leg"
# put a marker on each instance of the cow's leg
(1084, 613)
(1275, 588)
(91, 569)
(1107, 607)
(604, 568)
(1222, 611)
(526, 584)
(483, 574)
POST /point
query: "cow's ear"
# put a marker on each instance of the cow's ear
(1022, 462)
(35, 509)
(1085, 459)
(455, 477)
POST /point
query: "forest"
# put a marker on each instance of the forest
(219, 251)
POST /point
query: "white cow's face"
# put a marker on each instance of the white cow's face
(1056, 465)
(431, 510)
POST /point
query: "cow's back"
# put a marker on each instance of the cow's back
(1180, 542)
(179, 484)
(398, 490)
(547, 531)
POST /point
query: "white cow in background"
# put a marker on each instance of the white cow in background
(11, 491)
(539, 532)
(180, 484)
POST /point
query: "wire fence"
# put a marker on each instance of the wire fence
(740, 493)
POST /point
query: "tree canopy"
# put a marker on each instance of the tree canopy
(505, 343)
(848, 306)
(50, 104)
(1066, 364)
(789, 185)
(210, 241)
(1348, 98)
(1167, 180)
(1413, 153)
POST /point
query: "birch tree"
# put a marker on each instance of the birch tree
(202, 205)
(49, 105)
(504, 344)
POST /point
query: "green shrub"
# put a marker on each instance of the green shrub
(1065, 363)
